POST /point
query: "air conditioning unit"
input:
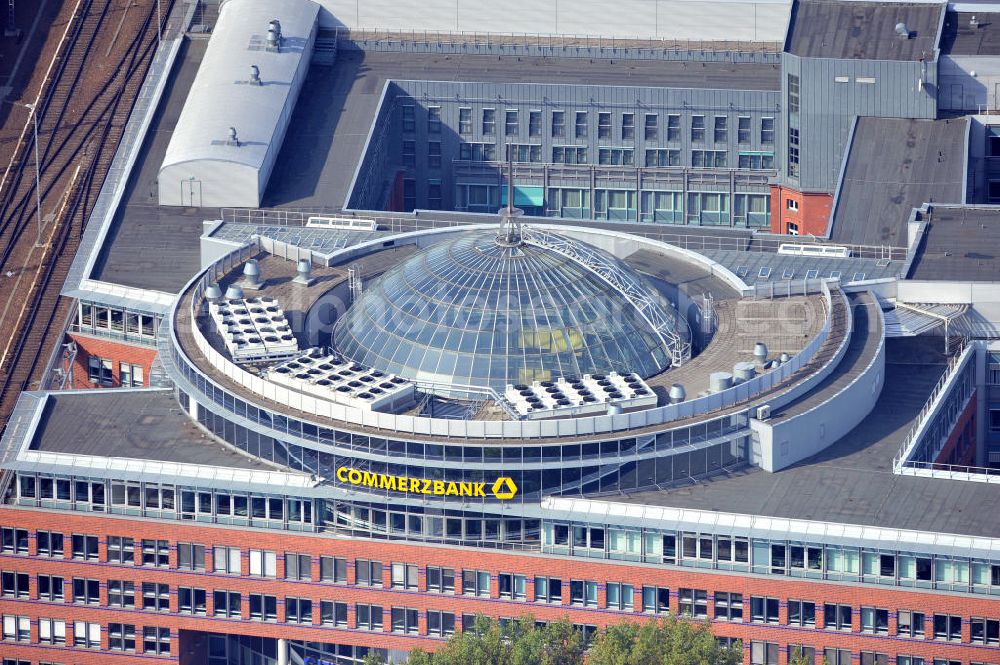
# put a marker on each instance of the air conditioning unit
(764, 412)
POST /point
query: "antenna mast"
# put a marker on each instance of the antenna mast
(510, 222)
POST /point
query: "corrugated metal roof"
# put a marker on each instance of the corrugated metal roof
(221, 95)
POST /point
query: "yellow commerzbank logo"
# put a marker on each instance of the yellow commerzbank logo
(503, 488)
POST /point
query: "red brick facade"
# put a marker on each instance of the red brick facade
(108, 349)
(808, 213)
(530, 565)
(960, 448)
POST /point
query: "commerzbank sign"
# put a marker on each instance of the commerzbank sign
(503, 488)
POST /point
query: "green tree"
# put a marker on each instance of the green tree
(666, 642)
(518, 642)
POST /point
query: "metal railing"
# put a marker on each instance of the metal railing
(954, 365)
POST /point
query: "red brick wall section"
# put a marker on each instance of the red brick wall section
(108, 349)
(960, 448)
(812, 215)
(495, 562)
(395, 202)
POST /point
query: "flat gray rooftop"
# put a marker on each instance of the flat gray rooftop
(961, 37)
(143, 424)
(960, 244)
(893, 166)
(863, 30)
(763, 267)
(852, 481)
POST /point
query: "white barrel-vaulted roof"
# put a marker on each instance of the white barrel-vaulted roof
(201, 166)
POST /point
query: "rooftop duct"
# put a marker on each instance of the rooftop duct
(251, 276)
(234, 292)
(304, 273)
(213, 292)
(255, 75)
(902, 31)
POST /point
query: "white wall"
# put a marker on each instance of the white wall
(740, 20)
(968, 83)
(784, 442)
(209, 183)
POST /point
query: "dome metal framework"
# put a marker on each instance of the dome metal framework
(484, 310)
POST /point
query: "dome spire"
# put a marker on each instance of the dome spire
(510, 217)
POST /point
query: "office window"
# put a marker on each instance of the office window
(548, 590)
(489, 122)
(604, 125)
(910, 623)
(191, 600)
(464, 121)
(226, 559)
(534, 123)
(558, 124)
(837, 656)
(743, 129)
(85, 635)
(476, 583)
(655, 599)
(510, 123)
(100, 370)
(583, 593)
(985, 631)
(157, 553)
(616, 156)
(512, 587)
(263, 563)
(298, 610)
(793, 152)
(155, 597)
(156, 640)
(14, 585)
(581, 125)
(332, 613)
(404, 620)
(728, 606)
(711, 159)
(368, 573)
(801, 613)
(433, 119)
(837, 617)
(767, 131)
(651, 130)
(50, 543)
(51, 631)
(263, 607)
(874, 658)
(698, 128)
(298, 566)
(909, 660)
(50, 587)
(404, 576)
(755, 161)
(806, 653)
(947, 627)
(409, 152)
(440, 624)
(227, 604)
(409, 118)
(87, 592)
(569, 154)
(628, 126)
(764, 653)
(673, 127)
(763, 610)
(663, 157)
(478, 152)
(874, 620)
(526, 152)
(84, 547)
(720, 130)
(190, 556)
(369, 617)
(333, 569)
(441, 580)
(121, 593)
(694, 602)
(131, 376)
(434, 154)
(121, 637)
(121, 550)
(620, 596)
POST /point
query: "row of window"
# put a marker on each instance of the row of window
(86, 635)
(725, 606)
(766, 653)
(609, 125)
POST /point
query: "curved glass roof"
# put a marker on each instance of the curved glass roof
(470, 311)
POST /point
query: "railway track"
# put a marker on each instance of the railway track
(81, 118)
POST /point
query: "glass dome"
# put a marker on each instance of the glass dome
(472, 311)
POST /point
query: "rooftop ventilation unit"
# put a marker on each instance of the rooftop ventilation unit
(330, 377)
(251, 276)
(213, 292)
(274, 35)
(902, 31)
(677, 393)
(594, 394)
(255, 75)
(760, 353)
(303, 273)
(254, 329)
(234, 292)
(233, 138)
